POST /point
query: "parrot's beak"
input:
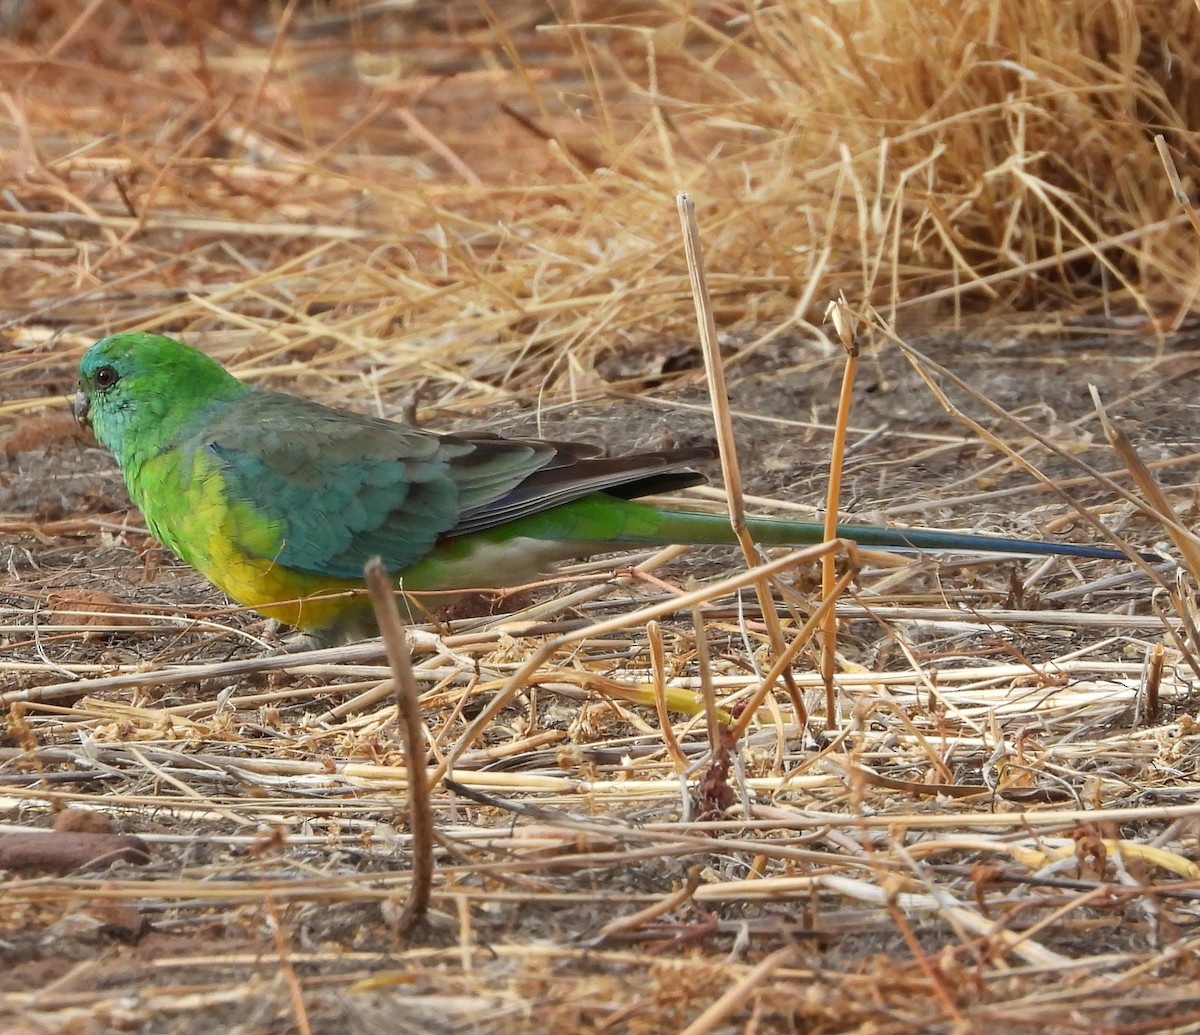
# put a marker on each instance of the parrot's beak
(82, 404)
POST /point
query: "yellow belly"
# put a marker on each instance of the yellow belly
(234, 546)
(309, 602)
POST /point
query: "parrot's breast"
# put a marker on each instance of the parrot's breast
(189, 509)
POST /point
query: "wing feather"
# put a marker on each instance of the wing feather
(343, 487)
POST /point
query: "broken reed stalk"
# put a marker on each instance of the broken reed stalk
(1151, 683)
(408, 719)
(730, 471)
(843, 322)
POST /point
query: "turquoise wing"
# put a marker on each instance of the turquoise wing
(342, 487)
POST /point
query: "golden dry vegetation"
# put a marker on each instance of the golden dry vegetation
(466, 211)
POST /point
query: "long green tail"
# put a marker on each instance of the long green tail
(606, 520)
(782, 532)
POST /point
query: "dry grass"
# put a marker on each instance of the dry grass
(470, 209)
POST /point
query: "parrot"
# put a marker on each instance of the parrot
(279, 501)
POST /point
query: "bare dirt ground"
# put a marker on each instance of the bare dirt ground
(464, 212)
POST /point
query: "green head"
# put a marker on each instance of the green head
(138, 392)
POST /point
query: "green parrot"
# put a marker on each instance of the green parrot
(280, 501)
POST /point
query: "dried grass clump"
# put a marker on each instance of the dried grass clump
(1001, 151)
(484, 197)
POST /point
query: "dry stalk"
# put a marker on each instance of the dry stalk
(412, 738)
(730, 470)
(843, 322)
(738, 993)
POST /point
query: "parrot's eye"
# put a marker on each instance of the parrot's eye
(106, 377)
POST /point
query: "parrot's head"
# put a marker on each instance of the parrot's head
(137, 392)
